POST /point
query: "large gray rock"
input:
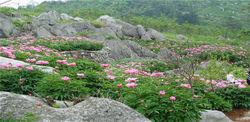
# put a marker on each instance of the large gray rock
(90, 110)
(6, 26)
(127, 49)
(123, 29)
(48, 24)
(155, 35)
(45, 69)
(214, 116)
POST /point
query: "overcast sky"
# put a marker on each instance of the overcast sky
(16, 3)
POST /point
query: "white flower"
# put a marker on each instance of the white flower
(230, 78)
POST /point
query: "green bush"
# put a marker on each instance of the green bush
(7, 11)
(238, 97)
(71, 45)
(19, 81)
(53, 86)
(211, 101)
(22, 55)
(4, 42)
(159, 66)
(145, 99)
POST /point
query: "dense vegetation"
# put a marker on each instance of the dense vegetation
(213, 53)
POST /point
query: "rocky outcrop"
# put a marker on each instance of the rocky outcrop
(214, 116)
(6, 26)
(45, 69)
(115, 50)
(48, 24)
(90, 110)
(123, 29)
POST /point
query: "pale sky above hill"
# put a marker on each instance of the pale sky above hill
(16, 3)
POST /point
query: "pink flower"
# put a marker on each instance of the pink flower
(242, 81)
(111, 77)
(162, 92)
(213, 82)
(105, 65)
(131, 85)
(42, 62)
(131, 80)
(241, 86)
(221, 85)
(80, 75)
(132, 71)
(65, 78)
(144, 73)
(71, 64)
(172, 98)
(18, 65)
(119, 85)
(62, 61)
(31, 60)
(188, 86)
(157, 74)
(30, 68)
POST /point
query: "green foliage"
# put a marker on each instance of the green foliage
(4, 42)
(19, 80)
(84, 33)
(97, 24)
(22, 55)
(7, 11)
(53, 86)
(71, 45)
(238, 97)
(159, 66)
(211, 101)
(145, 99)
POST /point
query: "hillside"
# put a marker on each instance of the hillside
(125, 60)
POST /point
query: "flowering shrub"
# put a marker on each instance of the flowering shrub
(19, 80)
(238, 97)
(61, 88)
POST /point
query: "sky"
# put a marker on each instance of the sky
(16, 3)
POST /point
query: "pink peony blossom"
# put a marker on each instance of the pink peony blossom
(188, 86)
(119, 85)
(157, 74)
(18, 65)
(29, 68)
(65, 78)
(162, 92)
(132, 71)
(131, 80)
(131, 85)
(241, 86)
(42, 62)
(62, 62)
(31, 60)
(172, 98)
(111, 77)
(71, 64)
(105, 65)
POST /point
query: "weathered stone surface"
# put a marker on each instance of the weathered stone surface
(167, 55)
(64, 16)
(155, 35)
(6, 26)
(46, 69)
(214, 116)
(123, 29)
(127, 49)
(90, 110)
(181, 37)
(47, 25)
